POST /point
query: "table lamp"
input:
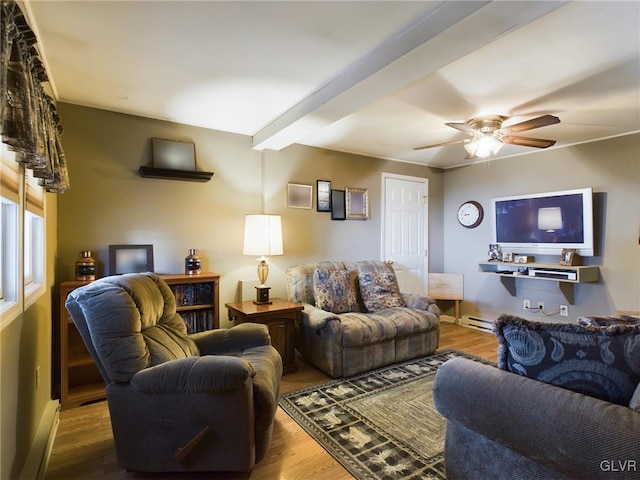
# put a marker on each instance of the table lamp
(262, 238)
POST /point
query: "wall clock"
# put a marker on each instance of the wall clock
(470, 214)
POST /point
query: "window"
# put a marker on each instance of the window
(9, 305)
(22, 242)
(33, 239)
(33, 248)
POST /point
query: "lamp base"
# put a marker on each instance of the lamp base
(262, 296)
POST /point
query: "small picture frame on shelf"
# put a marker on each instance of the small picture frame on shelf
(130, 259)
(521, 259)
(567, 255)
(507, 257)
(299, 196)
(323, 195)
(495, 254)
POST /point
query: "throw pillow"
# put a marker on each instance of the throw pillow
(333, 290)
(603, 362)
(380, 290)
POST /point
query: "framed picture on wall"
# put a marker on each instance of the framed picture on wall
(337, 205)
(323, 195)
(130, 259)
(299, 196)
(357, 203)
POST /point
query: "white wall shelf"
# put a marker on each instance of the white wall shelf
(508, 273)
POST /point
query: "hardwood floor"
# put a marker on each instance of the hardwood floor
(84, 449)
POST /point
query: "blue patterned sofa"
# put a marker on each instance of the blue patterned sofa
(355, 319)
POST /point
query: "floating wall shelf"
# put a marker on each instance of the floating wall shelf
(171, 174)
(508, 273)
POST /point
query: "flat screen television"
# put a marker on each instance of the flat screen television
(545, 223)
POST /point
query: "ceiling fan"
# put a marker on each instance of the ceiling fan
(489, 136)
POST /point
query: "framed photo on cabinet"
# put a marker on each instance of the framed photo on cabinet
(130, 259)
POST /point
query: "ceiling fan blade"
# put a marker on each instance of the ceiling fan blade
(440, 144)
(538, 122)
(463, 127)
(529, 142)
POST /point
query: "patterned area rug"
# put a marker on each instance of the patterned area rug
(380, 424)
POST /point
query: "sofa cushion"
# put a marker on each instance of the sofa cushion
(360, 329)
(603, 362)
(380, 290)
(334, 290)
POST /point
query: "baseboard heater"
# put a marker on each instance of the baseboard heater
(477, 323)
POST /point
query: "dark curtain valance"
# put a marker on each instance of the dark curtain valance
(29, 122)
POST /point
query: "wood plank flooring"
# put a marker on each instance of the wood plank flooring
(84, 449)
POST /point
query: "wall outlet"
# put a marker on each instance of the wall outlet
(526, 304)
(541, 307)
(564, 310)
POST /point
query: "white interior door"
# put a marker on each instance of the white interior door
(405, 229)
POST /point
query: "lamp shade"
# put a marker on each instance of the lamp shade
(550, 219)
(262, 235)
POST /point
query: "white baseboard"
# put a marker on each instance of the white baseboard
(477, 323)
(35, 467)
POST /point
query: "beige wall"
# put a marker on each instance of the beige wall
(109, 203)
(612, 168)
(24, 345)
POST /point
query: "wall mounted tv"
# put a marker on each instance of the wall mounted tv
(545, 223)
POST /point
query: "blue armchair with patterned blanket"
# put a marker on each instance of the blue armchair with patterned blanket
(355, 319)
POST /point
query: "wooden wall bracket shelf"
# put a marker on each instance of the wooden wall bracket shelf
(171, 174)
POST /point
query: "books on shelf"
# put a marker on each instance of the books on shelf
(193, 294)
(198, 321)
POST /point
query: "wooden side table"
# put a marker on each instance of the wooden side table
(279, 316)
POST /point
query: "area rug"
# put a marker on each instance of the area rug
(381, 424)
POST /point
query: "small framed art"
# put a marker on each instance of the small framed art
(130, 259)
(337, 205)
(495, 253)
(567, 255)
(299, 196)
(357, 203)
(507, 257)
(323, 195)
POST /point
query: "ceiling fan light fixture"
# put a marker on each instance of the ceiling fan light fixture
(483, 146)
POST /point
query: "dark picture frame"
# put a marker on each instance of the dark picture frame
(130, 259)
(338, 211)
(323, 195)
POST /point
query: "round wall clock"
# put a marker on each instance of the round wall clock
(470, 214)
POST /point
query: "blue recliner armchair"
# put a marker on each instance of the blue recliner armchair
(178, 402)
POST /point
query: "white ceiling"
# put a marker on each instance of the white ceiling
(369, 77)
